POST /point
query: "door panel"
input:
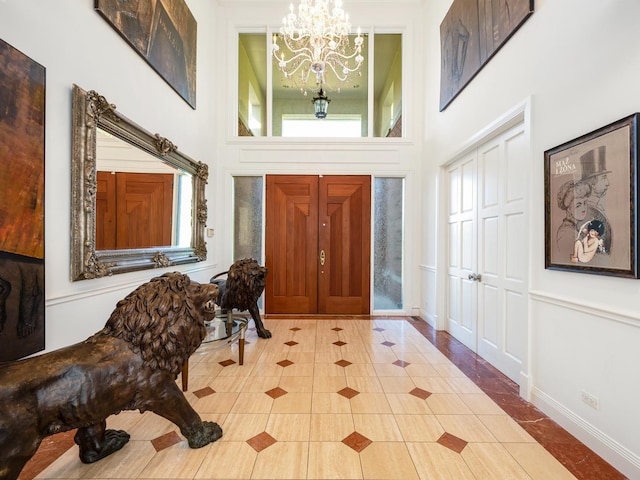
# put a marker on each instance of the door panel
(106, 211)
(502, 298)
(462, 316)
(311, 220)
(133, 210)
(144, 210)
(291, 244)
(345, 225)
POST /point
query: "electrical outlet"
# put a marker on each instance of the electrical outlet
(590, 400)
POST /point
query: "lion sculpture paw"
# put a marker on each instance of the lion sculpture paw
(131, 364)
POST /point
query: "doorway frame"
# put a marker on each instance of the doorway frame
(222, 252)
(519, 114)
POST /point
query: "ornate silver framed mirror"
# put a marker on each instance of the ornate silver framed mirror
(137, 201)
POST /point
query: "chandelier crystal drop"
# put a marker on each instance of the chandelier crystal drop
(314, 42)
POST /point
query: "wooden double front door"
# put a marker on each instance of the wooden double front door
(318, 244)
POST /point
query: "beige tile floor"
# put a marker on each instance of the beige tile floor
(350, 399)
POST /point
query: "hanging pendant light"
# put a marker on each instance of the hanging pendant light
(321, 104)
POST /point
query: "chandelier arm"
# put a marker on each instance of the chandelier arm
(339, 56)
(296, 36)
(298, 67)
(292, 44)
(339, 75)
(342, 70)
(301, 55)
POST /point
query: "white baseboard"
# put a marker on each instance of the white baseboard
(616, 454)
(525, 386)
(427, 317)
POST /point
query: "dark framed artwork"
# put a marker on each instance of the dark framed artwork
(591, 194)
(22, 116)
(164, 33)
(472, 32)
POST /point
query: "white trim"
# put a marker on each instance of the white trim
(128, 286)
(613, 452)
(518, 114)
(626, 317)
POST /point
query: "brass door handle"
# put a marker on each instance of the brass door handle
(322, 257)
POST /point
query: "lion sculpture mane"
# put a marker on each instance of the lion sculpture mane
(243, 285)
(131, 364)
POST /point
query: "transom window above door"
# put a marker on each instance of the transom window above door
(372, 97)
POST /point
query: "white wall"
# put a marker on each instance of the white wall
(76, 45)
(578, 64)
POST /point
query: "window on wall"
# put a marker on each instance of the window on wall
(247, 217)
(308, 126)
(388, 221)
(378, 84)
(387, 85)
(252, 85)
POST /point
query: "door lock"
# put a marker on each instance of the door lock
(475, 277)
(322, 257)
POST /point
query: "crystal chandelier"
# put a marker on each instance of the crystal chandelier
(316, 41)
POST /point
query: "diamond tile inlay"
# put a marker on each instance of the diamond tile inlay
(348, 392)
(401, 363)
(226, 363)
(337, 329)
(291, 343)
(261, 441)
(357, 441)
(295, 329)
(285, 363)
(343, 363)
(452, 442)
(339, 343)
(276, 392)
(379, 329)
(165, 441)
(388, 344)
(204, 392)
(420, 393)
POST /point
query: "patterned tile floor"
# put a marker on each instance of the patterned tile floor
(342, 398)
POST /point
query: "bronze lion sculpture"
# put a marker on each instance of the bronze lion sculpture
(241, 289)
(131, 364)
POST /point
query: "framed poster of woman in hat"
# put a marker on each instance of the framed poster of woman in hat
(591, 193)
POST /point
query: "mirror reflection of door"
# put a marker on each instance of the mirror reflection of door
(141, 200)
(133, 210)
(318, 244)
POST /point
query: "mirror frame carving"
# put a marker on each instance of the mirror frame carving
(91, 110)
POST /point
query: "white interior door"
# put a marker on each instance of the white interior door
(462, 248)
(488, 249)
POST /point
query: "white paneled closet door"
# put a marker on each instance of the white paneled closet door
(488, 251)
(462, 264)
